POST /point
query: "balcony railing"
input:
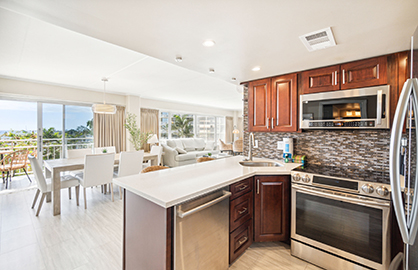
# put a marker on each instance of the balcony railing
(51, 148)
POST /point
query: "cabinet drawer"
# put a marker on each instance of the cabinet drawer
(240, 240)
(240, 210)
(241, 188)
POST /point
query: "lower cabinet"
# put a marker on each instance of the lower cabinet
(240, 218)
(240, 239)
(271, 208)
(259, 211)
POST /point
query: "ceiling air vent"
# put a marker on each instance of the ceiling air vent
(317, 40)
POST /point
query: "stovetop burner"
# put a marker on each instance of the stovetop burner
(348, 172)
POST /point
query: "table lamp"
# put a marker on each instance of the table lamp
(153, 140)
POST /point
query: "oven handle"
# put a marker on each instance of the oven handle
(379, 107)
(341, 198)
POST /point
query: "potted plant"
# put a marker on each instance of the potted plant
(137, 138)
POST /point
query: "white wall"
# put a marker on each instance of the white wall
(184, 108)
(47, 92)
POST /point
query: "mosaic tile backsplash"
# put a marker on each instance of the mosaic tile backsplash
(363, 149)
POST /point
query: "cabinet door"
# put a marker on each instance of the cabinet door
(364, 73)
(259, 105)
(284, 103)
(320, 80)
(271, 208)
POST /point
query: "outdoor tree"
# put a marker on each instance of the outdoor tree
(182, 126)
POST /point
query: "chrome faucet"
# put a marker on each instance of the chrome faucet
(250, 147)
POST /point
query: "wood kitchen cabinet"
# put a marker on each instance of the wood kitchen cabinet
(272, 104)
(358, 74)
(364, 73)
(240, 218)
(271, 208)
(320, 80)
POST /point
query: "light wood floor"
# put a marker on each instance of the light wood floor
(91, 239)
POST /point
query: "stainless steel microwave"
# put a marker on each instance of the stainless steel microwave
(365, 108)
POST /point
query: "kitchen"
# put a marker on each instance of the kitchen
(364, 149)
(346, 179)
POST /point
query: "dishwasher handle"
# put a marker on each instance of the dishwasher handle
(225, 195)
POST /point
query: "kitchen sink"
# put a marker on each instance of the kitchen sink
(260, 164)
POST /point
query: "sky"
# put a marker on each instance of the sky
(21, 115)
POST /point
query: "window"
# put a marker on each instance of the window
(182, 126)
(20, 129)
(206, 127)
(176, 125)
(164, 130)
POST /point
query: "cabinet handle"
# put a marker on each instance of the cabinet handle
(268, 119)
(242, 240)
(333, 78)
(258, 186)
(272, 122)
(336, 77)
(377, 71)
(243, 211)
(343, 76)
(243, 187)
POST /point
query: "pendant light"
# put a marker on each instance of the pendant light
(104, 108)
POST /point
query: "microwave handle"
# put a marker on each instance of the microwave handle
(379, 107)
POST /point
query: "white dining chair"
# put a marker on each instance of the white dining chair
(79, 153)
(155, 150)
(44, 187)
(107, 149)
(98, 170)
(130, 163)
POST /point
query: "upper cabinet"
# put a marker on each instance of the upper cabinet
(272, 104)
(364, 73)
(259, 93)
(320, 80)
(358, 74)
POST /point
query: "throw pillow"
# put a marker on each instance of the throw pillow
(210, 145)
(181, 151)
(200, 144)
(179, 144)
(189, 144)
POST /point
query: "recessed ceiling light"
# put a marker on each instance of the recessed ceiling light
(208, 43)
(179, 59)
(256, 68)
(233, 79)
(211, 70)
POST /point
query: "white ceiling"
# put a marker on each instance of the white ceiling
(61, 42)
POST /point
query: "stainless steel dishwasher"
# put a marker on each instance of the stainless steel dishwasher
(201, 232)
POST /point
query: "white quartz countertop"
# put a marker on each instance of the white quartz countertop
(173, 186)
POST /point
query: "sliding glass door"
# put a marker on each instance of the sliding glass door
(39, 127)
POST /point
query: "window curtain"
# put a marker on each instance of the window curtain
(149, 123)
(109, 130)
(229, 126)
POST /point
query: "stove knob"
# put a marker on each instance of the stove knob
(296, 177)
(306, 178)
(367, 188)
(382, 191)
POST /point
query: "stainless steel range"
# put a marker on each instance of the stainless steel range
(340, 218)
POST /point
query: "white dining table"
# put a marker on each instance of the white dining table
(54, 167)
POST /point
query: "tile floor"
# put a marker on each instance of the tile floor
(81, 239)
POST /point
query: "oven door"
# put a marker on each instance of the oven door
(350, 226)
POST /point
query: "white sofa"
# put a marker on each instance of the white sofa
(178, 152)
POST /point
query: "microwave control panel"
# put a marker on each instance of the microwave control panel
(338, 124)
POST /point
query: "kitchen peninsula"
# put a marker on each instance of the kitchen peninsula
(148, 241)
